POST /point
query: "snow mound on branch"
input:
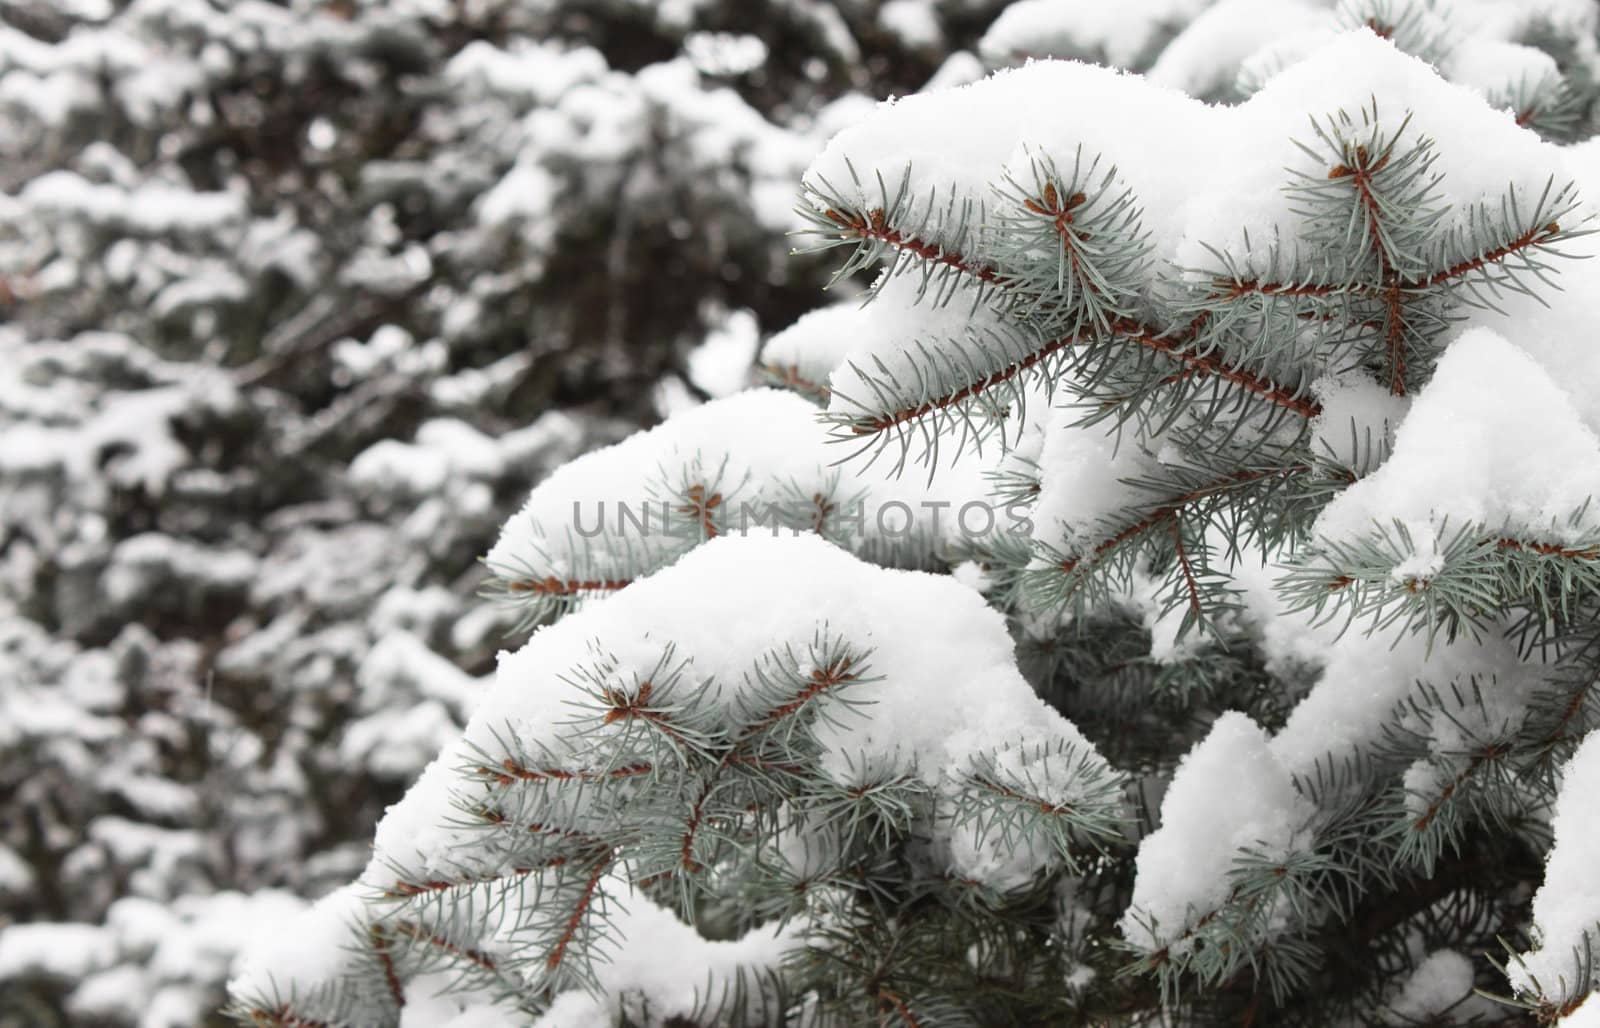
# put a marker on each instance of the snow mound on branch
(1548, 324)
(1229, 793)
(885, 336)
(1123, 34)
(759, 453)
(1567, 905)
(806, 353)
(663, 966)
(657, 966)
(1085, 473)
(1492, 441)
(1204, 59)
(1230, 183)
(1365, 678)
(951, 691)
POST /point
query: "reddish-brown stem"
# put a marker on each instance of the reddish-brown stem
(874, 225)
(1484, 756)
(406, 890)
(1165, 952)
(819, 681)
(822, 507)
(510, 771)
(439, 942)
(637, 707)
(1254, 287)
(1393, 289)
(1060, 215)
(1532, 237)
(701, 504)
(1394, 338)
(553, 586)
(1188, 572)
(391, 976)
(691, 827)
(1195, 363)
(1039, 803)
(1558, 732)
(575, 921)
(1211, 364)
(1107, 545)
(282, 1017)
(883, 423)
(789, 377)
(890, 1000)
(1549, 549)
(1170, 510)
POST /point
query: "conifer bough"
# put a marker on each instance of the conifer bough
(1271, 708)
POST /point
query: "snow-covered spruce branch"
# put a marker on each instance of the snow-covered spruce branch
(1373, 257)
(1190, 368)
(1067, 264)
(1417, 543)
(749, 464)
(691, 769)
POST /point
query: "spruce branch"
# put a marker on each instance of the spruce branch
(1453, 582)
(788, 376)
(1083, 579)
(1054, 795)
(1412, 27)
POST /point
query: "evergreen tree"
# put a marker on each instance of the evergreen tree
(297, 301)
(1258, 443)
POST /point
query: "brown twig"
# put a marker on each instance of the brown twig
(553, 586)
(391, 976)
(574, 922)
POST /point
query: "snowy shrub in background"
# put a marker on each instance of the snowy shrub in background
(1200, 628)
(299, 300)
